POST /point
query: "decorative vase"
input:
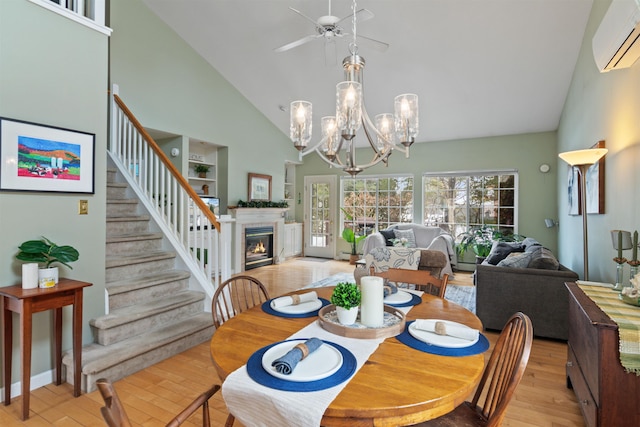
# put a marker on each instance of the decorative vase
(353, 259)
(48, 277)
(347, 316)
(619, 276)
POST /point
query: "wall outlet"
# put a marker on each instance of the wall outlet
(83, 207)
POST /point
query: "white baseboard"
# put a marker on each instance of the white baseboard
(37, 381)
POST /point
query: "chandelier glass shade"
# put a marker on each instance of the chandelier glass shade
(338, 144)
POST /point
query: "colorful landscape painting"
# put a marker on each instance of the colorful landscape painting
(42, 158)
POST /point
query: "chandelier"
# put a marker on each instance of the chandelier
(337, 147)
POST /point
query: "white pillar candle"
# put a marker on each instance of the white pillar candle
(372, 304)
(30, 275)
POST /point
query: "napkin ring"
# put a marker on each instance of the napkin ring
(441, 328)
(303, 348)
(295, 299)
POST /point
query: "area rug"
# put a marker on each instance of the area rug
(462, 295)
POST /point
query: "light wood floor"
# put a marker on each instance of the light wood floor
(153, 396)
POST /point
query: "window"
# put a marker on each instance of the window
(376, 202)
(460, 201)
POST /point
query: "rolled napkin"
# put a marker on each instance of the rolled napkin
(443, 328)
(389, 288)
(293, 299)
(287, 363)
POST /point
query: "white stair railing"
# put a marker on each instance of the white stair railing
(203, 243)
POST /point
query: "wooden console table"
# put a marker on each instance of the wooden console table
(25, 302)
(607, 394)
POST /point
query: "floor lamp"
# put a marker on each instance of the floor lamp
(582, 160)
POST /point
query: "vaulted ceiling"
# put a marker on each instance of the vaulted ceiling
(480, 67)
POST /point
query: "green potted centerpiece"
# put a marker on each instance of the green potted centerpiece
(346, 297)
(45, 253)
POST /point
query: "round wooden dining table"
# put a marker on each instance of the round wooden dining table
(398, 385)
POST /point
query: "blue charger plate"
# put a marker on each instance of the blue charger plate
(406, 338)
(266, 307)
(259, 375)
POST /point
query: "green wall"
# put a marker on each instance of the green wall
(524, 153)
(171, 88)
(601, 106)
(54, 71)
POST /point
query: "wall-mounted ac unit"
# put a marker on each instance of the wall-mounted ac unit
(616, 43)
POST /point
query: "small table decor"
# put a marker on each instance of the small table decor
(393, 324)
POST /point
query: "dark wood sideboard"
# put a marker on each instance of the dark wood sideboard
(607, 394)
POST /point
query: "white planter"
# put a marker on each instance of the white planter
(347, 316)
(48, 277)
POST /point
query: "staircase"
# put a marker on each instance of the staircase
(152, 313)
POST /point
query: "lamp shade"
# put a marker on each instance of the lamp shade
(625, 239)
(300, 123)
(583, 157)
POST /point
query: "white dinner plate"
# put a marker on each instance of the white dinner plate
(400, 297)
(305, 307)
(441, 340)
(322, 363)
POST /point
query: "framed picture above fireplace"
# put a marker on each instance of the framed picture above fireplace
(259, 187)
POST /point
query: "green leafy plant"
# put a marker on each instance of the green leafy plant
(346, 295)
(201, 168)
(480, 240)
(46, 252)
(349, 235)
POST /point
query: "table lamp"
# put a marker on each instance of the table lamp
(582, 160)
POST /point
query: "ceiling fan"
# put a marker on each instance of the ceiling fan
(329, 28)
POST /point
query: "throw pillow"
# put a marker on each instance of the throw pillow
(501, 250)
(388, 235)
(530, 244)
(406, 234)
(544, 259)
(516, 260)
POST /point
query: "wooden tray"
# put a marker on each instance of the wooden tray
(360, 331)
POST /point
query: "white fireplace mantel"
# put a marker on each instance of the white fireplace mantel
(257, 217)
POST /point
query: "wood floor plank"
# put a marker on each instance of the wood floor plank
(154, 395)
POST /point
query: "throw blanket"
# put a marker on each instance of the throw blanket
(628, 319)
(388, 257)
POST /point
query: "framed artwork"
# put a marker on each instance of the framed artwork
(259, 187)
(43, 158)
(595, 187)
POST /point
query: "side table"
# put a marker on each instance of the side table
(25, 302)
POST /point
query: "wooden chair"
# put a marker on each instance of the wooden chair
(232, 297)
(423, 279)
(115, 416)
(501, 376)
(236, 295)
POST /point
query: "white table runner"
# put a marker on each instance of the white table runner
(256, 405)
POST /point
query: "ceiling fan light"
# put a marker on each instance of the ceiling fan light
(406, 117)
(348, 110)
(300, 123)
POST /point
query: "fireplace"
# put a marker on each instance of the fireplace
(258, 244)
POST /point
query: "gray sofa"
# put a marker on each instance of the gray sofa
(538, 292)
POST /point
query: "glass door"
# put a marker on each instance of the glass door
(319, 217)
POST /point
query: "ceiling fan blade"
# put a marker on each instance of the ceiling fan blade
(373, 43)
(361, 16)
(297, 43)
(313, 21)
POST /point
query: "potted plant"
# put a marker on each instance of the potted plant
(350, 237)
(346, 297)
(45, 253)
(201, 170)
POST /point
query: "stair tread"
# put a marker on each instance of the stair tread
(132, 237)
(140, 282)
(96, 357)
(129, 314)
(137, 258)
(122, 201)
(117, 184)
(125, 218)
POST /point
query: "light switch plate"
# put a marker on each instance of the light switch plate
(83, 207)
